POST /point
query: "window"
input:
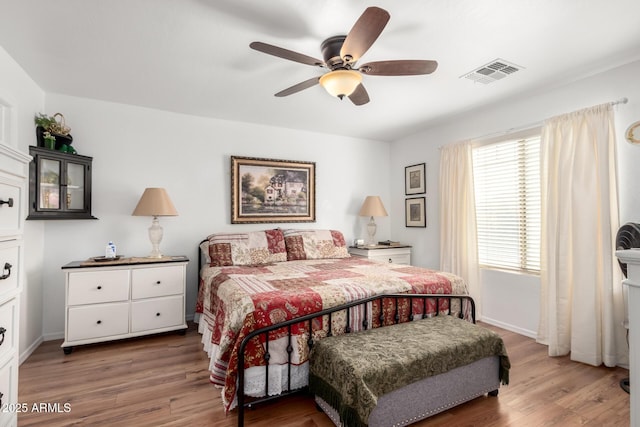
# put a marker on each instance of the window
(507, 191)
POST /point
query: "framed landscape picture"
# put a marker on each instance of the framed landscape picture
(415, 181)
(415, 212)
(269, 190)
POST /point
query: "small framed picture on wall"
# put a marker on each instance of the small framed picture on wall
(415, 212)
(415, 181)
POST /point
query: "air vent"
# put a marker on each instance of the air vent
(493, 71)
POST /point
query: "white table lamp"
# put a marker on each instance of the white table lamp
(155, 202)
(372, 207)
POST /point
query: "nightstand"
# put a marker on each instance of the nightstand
(128, 297)
(397, 254)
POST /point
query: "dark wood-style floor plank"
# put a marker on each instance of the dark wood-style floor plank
(163, 380)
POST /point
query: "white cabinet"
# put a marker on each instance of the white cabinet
(397, 254)
(631, 257)
(13, 178)
(130, 297)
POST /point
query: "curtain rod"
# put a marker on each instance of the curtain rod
(622, 100)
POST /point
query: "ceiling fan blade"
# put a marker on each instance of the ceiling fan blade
(359, 96)
(286, 54)
(406, 67)
(363, 33)
(298, 87)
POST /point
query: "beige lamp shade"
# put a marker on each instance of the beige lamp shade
(155, 202)
(373, 206)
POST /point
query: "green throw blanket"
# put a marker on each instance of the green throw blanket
(351, 371)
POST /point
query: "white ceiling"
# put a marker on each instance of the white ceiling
(193, 56)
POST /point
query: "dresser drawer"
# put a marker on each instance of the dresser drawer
(8, 325)
(9, 390)
(95, 321)
(10, 215)
(93, 287)
(157, 281)
(400, 255)
(9, 261)
(157, 313)
(392, 258)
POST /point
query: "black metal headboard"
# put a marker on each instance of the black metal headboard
(200, 255)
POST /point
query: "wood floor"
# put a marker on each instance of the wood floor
(163, 381)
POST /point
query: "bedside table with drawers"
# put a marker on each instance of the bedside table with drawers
(397, 254)
(129, 297)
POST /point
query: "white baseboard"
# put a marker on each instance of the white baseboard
(508, 327)
(54, 336)
(34, 345)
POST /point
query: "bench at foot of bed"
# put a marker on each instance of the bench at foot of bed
(400, 374)
(430, 396)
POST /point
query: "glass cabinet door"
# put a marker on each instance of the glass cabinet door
(75, 186)
(49, 184)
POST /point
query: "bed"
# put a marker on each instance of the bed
(262, 278)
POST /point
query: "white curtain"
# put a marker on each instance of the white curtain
(458, 240)
(582, 308)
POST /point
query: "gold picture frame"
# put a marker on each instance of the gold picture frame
(271, 190)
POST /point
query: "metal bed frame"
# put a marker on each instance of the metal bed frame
(244, 402)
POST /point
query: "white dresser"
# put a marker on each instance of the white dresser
(122, 299)
(13, 176)
(631, 257)
(396, 254)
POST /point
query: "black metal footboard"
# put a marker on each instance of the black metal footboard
(391, 309)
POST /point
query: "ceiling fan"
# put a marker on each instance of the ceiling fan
(340, 55)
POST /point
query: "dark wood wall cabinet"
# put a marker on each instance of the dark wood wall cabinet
(59, 185)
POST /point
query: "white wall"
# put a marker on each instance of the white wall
(134, 148)
(511, 300)
(25, 98)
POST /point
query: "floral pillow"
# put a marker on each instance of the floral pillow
(315, 244)
(252, 248)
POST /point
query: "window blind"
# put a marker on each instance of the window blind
(507, 192)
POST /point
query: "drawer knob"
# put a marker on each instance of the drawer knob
(2, 332)
(158, 282)
(99, 322)
(157, 314)
(8, 202)
(390, 260)
(99, 287)
(6, 275)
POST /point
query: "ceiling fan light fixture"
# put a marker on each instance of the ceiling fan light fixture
(341, 83)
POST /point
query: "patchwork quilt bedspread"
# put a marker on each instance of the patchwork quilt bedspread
(235, 300)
